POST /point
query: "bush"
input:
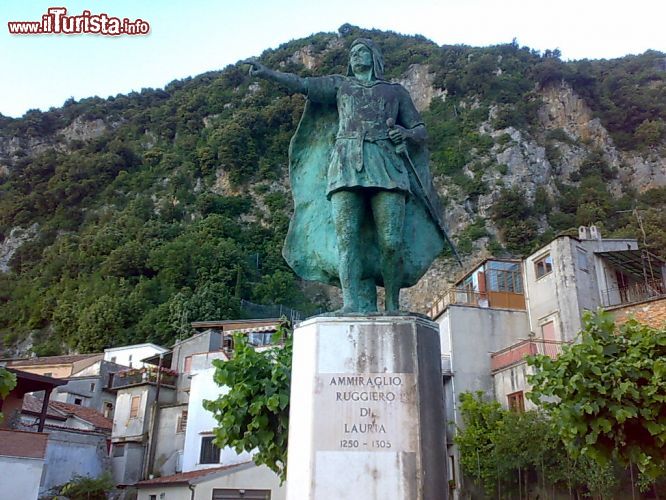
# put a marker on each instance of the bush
(87, 488)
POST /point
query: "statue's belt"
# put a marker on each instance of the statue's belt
(368, 137)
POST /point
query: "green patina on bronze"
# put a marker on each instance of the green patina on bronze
(365, 210)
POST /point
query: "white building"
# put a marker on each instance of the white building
(244, 481)
(132, 355)
(200, 452)
(170, 436)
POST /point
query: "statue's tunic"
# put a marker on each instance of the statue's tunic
(363, 156)
(342, 143)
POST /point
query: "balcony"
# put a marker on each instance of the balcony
(143, 376)
(515, 353)
(465, 297)
(635, 292)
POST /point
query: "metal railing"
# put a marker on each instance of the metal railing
(490, 299)
(529, 347)
(636, 292)
(142, 376)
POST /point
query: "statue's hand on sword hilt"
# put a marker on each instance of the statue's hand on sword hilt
(397, 135)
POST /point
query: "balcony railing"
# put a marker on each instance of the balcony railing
(636, 292)
(516, 353)
(143, 376)
(491, 299)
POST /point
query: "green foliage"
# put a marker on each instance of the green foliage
(627, 93)
(473, 232)
(610, 390)
(155, 222)
(87, 488)
(7, 383)
(508, 453)
(514, 217)
(253, 412)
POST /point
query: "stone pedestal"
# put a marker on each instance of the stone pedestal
(367, 414)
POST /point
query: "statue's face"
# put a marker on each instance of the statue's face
(360, 58)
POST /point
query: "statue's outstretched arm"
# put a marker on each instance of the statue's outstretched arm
(293, 83)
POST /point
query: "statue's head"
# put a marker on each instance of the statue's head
(364, 51)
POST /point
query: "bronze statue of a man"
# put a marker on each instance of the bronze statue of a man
(365, 212)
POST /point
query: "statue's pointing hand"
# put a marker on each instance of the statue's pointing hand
(256, 68)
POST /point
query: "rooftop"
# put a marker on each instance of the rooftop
(32, 382)
(52, 360)
(134, 346)
(23, 444)
(235, 324)
(191, 477)
(61, 411)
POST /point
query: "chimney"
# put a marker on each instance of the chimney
(595, 234)
(589, 233)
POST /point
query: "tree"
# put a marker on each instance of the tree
(7, 383)
(253, 411)
(510, 454)
(607, 393)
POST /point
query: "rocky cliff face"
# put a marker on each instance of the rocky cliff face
(528, 167)
(566, 126)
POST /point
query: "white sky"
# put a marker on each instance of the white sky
(190, 37)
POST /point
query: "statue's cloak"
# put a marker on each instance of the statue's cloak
(311, 247)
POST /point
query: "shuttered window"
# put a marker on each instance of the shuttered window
(182, 422)
(516, 402)
(134, 407)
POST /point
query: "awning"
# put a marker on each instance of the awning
(639, 263)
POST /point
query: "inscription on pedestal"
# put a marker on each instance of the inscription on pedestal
(366, 412)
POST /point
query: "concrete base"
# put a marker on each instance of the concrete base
(367, 414)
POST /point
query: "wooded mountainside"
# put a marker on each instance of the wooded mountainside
(124, 219)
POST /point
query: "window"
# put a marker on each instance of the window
(108, 410)
(110, 381)
(516, 401)
(210, 453)
(187, 365)
(182, 422)
(130, 361)
(92, 387)
(78, 401)
(118, 450)
(134, 407)
(543, 266)
(581, 256)
(504, 277)
(548, 331)
(113, 359)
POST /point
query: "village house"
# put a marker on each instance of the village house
(505, 309)
(162, 439)
(23, 453)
